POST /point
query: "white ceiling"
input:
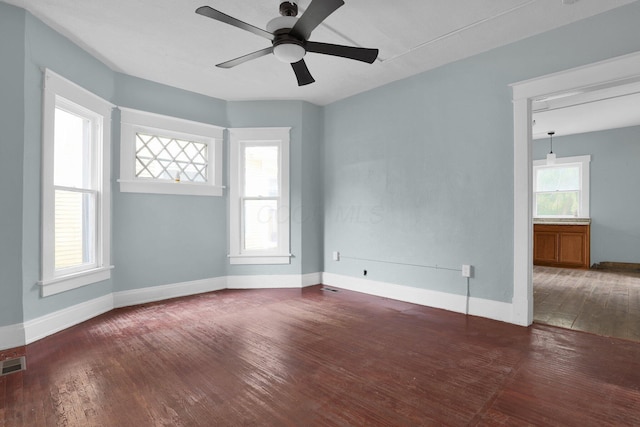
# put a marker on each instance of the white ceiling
(166, 42)
(592, 110)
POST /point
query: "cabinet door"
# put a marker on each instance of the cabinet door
(573, 249)
(561, 245)
(545, 247)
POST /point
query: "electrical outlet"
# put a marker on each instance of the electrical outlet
(466, 270)
(336, 256)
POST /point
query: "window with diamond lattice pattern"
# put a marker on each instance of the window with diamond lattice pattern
(170, 159)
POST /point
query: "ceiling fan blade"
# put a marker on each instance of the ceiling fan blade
(357, 53)
(317, 12)
(302, 73)
(219, 16)
(245, 58)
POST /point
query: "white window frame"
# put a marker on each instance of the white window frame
(238, 139)
(60, 91)
(583, 163)
(136, 121)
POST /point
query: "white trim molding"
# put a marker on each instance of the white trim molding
(274, 281)
(163, 292)
(619, 70)
(54, 322)
(60, 93)
(11, 336)
(311, 279)
(25, 333)
(72, 281)
(608, 73)
(181, 188)
(240, 140)
(583, 163)
(261, 259)
(495, 310)
(41, 327)
(133, 122)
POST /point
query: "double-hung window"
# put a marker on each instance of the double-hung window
(168, 155)
(561, 189)
(75, 186)
(259, 196)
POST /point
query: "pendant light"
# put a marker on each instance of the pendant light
(551, 157)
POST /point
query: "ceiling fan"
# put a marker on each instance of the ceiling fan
(289, 37)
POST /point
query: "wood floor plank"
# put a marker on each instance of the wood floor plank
(604, 302)
(313, 358)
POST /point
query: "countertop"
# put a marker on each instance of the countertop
(562, 221)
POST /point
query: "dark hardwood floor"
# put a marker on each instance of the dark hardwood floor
(317, 358)
(597, 301)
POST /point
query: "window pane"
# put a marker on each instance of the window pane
(171, 159)
(71, 150)
(558, 178)
(559, 203)
(260, 224)
(261, 171)
(74, 229)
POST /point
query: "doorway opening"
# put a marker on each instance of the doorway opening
(581, 82)
(586, 276)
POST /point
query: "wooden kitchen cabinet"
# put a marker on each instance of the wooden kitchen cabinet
(561, 245)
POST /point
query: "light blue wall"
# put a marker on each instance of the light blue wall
(12, 22)
(145, 95)
(418, 171)
(47, 48)
(156, 239)
(164, 239)
(406, 181)
(306, 122)
(421, 171)
(614, 202)
(311, 216)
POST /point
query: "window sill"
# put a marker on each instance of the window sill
(259, 259)
(57, 285)
(169, 187)
(562, 221)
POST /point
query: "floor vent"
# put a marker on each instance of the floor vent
(10, 366)
(329, 289)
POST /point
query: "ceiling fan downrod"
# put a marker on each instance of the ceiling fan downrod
(288, 9)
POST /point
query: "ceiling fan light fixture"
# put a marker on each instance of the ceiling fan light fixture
(285, 48)
(289, 52)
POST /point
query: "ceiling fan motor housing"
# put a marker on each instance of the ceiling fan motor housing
(286, 47)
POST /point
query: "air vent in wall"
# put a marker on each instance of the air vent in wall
(10, 366)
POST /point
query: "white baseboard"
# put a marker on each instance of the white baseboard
(20, 334)
(274, 281)
(62, 319)
(457, 303)
(11, 336)
(522, 311)
(495, 310)
(311, 279)
(33, 330)
(175, 290)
